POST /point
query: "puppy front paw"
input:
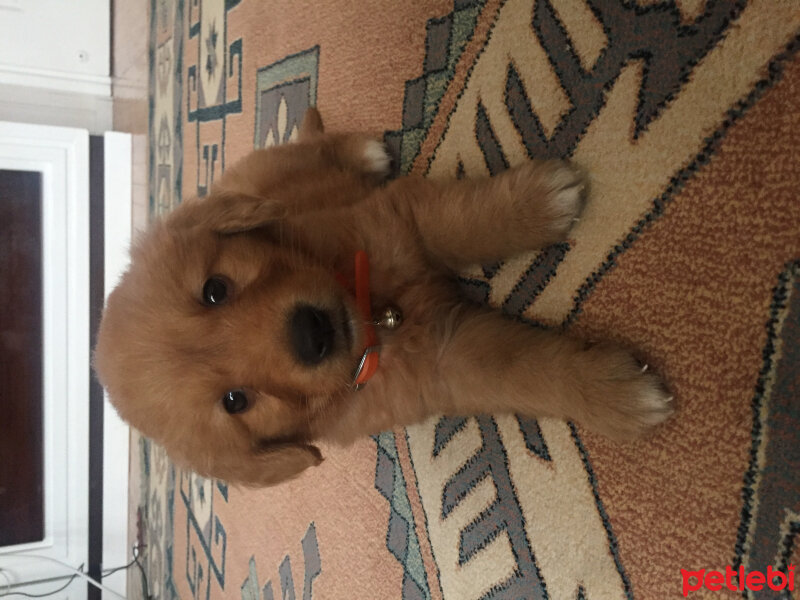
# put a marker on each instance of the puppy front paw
(626, 401)
(548, 196)
(360, 153)
(565, 193)
(644, 404)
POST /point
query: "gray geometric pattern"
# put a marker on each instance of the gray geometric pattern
(311, 569)
(401, 537)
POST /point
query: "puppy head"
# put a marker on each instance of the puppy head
(223, 345)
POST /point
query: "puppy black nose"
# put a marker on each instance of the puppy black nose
(312, 334)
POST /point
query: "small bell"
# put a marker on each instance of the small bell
(389, 318)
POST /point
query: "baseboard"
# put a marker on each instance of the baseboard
(41, 106)
(77, 83)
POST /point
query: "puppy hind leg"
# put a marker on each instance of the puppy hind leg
(358, 152)
(361, 153)
(492, 364)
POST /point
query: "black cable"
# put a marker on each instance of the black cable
(135, 561)
(106, 573)
(144, 577)
(112, 571)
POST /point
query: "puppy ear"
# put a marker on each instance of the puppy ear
(227, 212)
(278, 462)
(262, 187)
(261, 466)
(311, 126)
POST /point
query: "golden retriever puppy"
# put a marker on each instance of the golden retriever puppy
(303, 299)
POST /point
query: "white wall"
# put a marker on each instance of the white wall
(57, 44)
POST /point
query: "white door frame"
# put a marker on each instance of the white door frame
(61, 155)
(116, 434)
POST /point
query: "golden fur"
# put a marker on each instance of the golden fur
(278, 227)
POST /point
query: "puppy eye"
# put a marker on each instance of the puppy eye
(234, 401)
(215, 290)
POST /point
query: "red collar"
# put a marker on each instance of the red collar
(369, 359)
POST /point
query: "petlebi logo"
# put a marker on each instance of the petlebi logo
(736, 580)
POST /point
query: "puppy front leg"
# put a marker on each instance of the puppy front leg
(524, 208)
(491, 364)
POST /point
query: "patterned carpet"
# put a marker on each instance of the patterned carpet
(686, 114)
